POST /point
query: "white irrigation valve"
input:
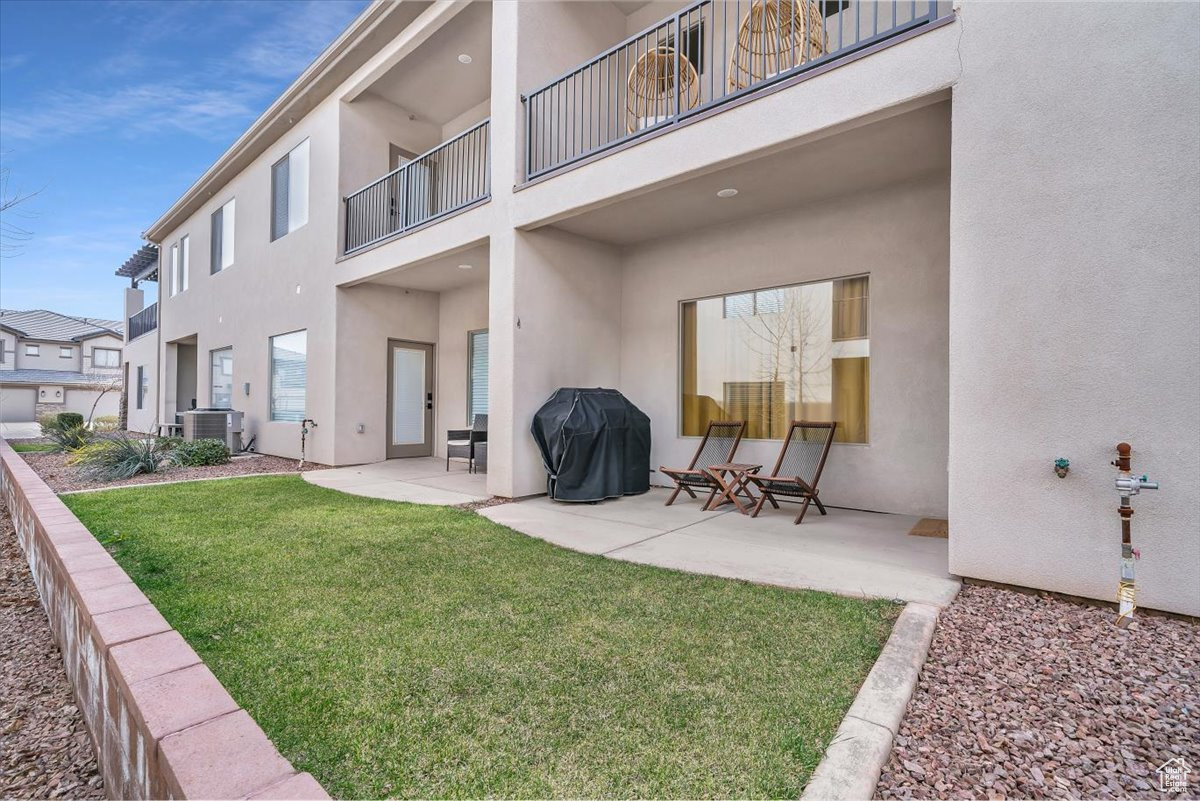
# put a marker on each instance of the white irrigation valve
(1129, 486)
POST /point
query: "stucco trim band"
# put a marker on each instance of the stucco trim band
(161, 723)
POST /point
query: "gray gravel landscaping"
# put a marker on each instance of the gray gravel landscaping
(45, 752)
(1027, 696)
(61, 477)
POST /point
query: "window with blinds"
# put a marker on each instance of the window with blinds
(222, 238)
(143, 384)
(477, 375)
(289, 376)
(176, 281)
(771, 356)
(289, 192)
(221, 375)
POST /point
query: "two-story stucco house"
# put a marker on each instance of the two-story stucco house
(51, 362)
(966, 232)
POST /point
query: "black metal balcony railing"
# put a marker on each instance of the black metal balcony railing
(453, 175)
(706, 54)
(143, 322)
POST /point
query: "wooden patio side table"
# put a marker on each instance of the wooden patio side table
(734, 480)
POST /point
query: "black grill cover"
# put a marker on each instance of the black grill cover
(595, 444)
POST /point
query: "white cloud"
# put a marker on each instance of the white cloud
(298, 34)
(13, 61)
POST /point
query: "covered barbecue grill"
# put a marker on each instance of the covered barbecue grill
(595, 444)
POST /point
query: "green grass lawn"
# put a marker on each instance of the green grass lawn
(33, 447)
(419, 651)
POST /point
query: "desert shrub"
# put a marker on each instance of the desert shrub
(68, 439)
(119, 456)
(48, 422)
(106, 423)
(199, 453)
(65, 420)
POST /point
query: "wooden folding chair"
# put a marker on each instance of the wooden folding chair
(718, 446)
(798, 468)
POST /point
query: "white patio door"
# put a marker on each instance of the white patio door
(410, 399)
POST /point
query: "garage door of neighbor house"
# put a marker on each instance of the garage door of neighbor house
(17, 405)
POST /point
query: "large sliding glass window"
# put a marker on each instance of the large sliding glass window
(289, 376)
(771, 356)
(477, 376)
(221, 364)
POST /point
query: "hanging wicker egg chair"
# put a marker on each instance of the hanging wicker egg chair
(775, 36)
(651, 88)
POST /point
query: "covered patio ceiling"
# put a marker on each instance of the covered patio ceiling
(445, 272)
(877, 154)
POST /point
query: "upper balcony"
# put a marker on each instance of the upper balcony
(702, 56)
(415, 136)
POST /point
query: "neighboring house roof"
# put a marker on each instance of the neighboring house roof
(48, 326)
(42, 377)
(141, 265)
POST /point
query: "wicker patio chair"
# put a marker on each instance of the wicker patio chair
(466, 443)
(653, 84)
(774, 37)
(798, 468)
(718, 446)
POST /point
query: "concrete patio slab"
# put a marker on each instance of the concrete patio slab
(410, 480)
(863, 554)
(20, 430)
(577, 532)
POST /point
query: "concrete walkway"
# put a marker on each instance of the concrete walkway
(20, 430)
(847, 552)
(412, 480)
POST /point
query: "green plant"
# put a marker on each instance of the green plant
(48, 422)
(119, 456)
(66, 420)
(68, 439)
(106, 423)
(199, 453)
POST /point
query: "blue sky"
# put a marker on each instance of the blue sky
(110, 110)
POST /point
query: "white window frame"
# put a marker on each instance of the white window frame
(224, 259)
(273, 414)
(184, 260)
(66, 352)
(97, 351)
(213, 355)
(33, 350)
(297, 190)
(175, 278)
(471, 399)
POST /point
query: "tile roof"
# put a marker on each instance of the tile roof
(54, 327)
(54, 377)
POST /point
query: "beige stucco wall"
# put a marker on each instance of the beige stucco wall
(143, 352)
(461, 311)
(367, 317)
(900, 236)
(48, 357)
(1075, 295)
(8, 342)
(555, 321)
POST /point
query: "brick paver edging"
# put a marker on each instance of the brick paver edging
(863, 743)
(162, 724)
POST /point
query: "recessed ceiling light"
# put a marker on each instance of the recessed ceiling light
(465, 266)
(464, 58)
(730, 192)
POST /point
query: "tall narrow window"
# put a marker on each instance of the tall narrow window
(184, 262)
(221, 364)
(289, 376)
(222, 237)
(176, 281)
(289, 192)
(775, 355)
(477, 377)
(142, 385)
